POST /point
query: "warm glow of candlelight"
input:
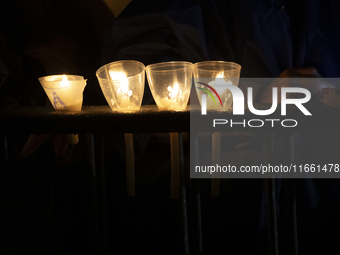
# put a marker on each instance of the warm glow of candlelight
(64, 82)
(170, 84)
(224, 93)
(124, 94)
(64, 91)
(124, 84)
(122, 78)
(173, 100)
(64, 78)
(174, 91)
(220, 75)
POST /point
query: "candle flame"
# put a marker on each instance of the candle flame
(64, 82)
(123, 80)
(173, 90)
(220, 75)
(221, 81)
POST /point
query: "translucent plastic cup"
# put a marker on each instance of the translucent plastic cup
(211, 77)
(65, 92)
(122, 83)
(170, 84)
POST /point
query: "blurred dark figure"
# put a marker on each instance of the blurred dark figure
(45, 37)
(47, 197)
(268, 38)
(265, 37)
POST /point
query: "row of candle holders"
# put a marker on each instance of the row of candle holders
(122, 83)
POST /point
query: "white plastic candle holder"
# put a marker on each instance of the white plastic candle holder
(209, 77)
(65, 93)
(209, 74)
(122, 83)
(170, 84)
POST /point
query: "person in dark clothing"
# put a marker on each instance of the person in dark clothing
(267, 38)
(39, 38)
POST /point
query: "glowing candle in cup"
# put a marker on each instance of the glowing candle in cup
(207, 75)
(122, 83)
(171, 102)
(65, 93)
(225, 94)
(170, 84)
(123, 92)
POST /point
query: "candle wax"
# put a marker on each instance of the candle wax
(127, 105)
(169, 104)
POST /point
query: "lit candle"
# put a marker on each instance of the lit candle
(225, 71)
(224, 93)
(170, 84)
(216, 137)
(65, 93)
(174, 101)
(124, 94)
(122, 83)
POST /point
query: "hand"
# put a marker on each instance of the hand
(329, 96)
(304, 72)
(64, 151)
(289, 78)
